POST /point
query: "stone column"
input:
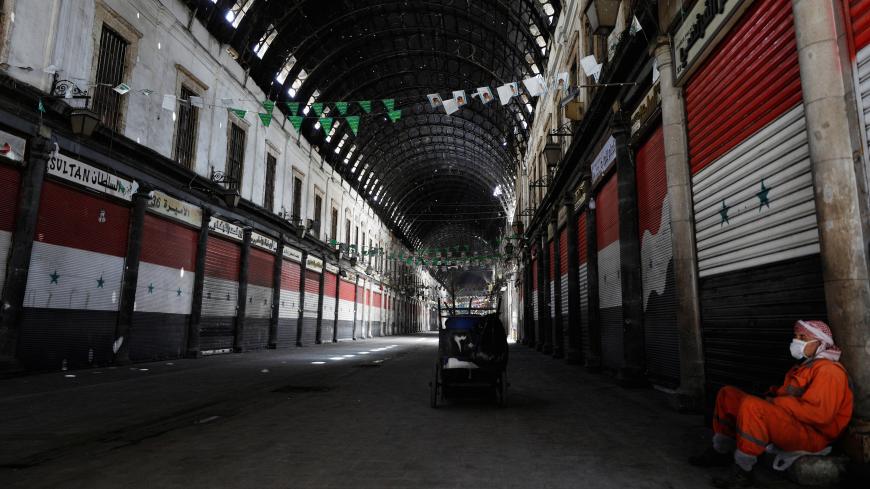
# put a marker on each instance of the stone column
(193, 350)
(131, 277)
(573, 350)
(301, 316)
(318, 332)
(593, 362)
(542, 342)
(19, 254)
(276, 294)
(239, 339)
(355, 293)
(844, 260)
(690, 395)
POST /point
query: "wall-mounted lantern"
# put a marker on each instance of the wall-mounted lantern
(602, 16)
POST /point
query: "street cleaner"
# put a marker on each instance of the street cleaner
(802, 416)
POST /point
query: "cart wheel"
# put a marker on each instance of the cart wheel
(501, 389)
(433, 388)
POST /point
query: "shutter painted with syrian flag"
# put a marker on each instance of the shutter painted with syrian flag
(360, 310)
(377, 308)
(288, 309)
(220, 289)
(345, 310)
(164, 292)
(258, 313)
(551, 276)
(330, 291)
(10, 182)
(582, 285)
(534, 272)
(367, 309)
(309, 316)
(609, 283)
(756, 234)
(74, 281)
(859, 22)
(563, 274)
(657, 263)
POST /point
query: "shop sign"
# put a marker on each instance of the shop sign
(647, 107)
(315, 264)
(580, 195)
(224, 228)
(75, 171)
(705, 24)
(605, 158)
(264, 242)
(12, 147)
(332, 268)
(292, 254)
(179, 210)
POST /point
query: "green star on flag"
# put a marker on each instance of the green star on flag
(100, 282)
(178, 293)
(326, 123)
(317, 107)
(266, 119)
(293, 107)
(269, 106)
(353, 123)
(389, 103)
(239, 113)
(150, 288)
(342, 107)
(395, 115)
(54, 276)
(296, 121)
(723, 214)
(763, 199)
(366, 105)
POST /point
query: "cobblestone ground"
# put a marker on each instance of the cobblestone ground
(359, 419)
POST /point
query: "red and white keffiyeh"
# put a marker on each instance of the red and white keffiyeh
(820, 331)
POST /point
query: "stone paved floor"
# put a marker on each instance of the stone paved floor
(276, 420)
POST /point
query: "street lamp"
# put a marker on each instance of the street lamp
(602, 16)
(83, 122)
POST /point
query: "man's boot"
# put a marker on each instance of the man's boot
(737, 479)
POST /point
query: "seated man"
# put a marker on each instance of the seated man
(807, 413)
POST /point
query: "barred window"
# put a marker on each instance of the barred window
(334, 229)
(235, 157)
(297, 198)
(318, 210)
(110, 73)
(269, 197)
(185, 129)
(347, 231)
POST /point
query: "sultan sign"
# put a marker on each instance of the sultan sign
(75, 171)
(705, 24)
(605, 158)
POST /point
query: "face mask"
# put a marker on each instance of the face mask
(797, 348)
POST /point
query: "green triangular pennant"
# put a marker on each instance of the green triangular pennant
(293, 107)
(266, 119)
(296, 121)
(395, 115)
(326, 123)
(389, 103)
(41, 106)
(269, 106)
(342, 107)
(366, 105)
(239, 113)
(317, 108)
(353, 123)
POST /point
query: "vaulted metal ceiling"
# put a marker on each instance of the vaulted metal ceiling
(430, 176)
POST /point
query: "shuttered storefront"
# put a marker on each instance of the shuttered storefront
(220, 288)
(288, 309)
(583, 285)
(859, 23)
(551, 276)
(359, 327)
(609, 284)
(330, 292)
(261, 283)
(534, 273)
(377, 312)
(755, 223)
(657, 263)
(367, 309)
(10, 181)
(164, 292)
(312, 303)
(74, 281)
(563, 278)
(345, 309)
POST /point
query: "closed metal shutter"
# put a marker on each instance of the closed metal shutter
(609, 281)
(312, 298)
(258, 311)
(220, 298)
(10, 181)
(551, 276)
(859, 21)
(859, 11)
(563, 273)
(367, 309)
(755, 222)
(583, 285)
(330, 291)
(345, 310)
(377, 314)
(657, 263)
(534, 272)
(74, 280)
(164, 293)
(360, 331)
(288, 309)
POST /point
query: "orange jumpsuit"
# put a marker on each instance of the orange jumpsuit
(808, 412)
